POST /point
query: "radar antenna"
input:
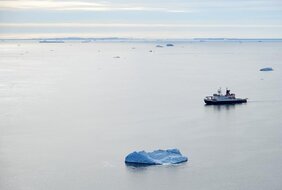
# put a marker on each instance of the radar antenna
(219, 91)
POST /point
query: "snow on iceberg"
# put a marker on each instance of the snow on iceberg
(157, 157)
(266, 69)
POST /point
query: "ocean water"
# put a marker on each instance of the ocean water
(70, 113)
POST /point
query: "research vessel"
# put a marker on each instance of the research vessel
(228, 98)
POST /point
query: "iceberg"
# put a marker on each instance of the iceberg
(157, 157)
(266, 69)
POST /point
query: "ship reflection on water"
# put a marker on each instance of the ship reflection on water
(223, 107)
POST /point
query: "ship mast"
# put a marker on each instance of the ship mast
(219, 91)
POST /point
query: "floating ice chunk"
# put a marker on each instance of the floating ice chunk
(157, 157)
(266, 69)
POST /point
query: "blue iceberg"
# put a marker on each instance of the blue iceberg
(266, 69)
(157, 157)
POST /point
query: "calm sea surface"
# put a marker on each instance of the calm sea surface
(70, 113)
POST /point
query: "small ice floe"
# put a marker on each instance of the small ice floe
(159, 46)
(266, 69)
(157, 157)
(116, 57)
(169, 45)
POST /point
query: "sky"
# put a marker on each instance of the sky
(156, 19)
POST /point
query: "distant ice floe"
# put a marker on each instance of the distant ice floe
(86, 41)
(157, 157)
(266, 69)
(51, 41)
(159, 46)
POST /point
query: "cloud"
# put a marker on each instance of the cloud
(78, 6)
(176, 6)
(197, 18)
(132, 25)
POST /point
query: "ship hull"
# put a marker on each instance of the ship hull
(214, 102)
